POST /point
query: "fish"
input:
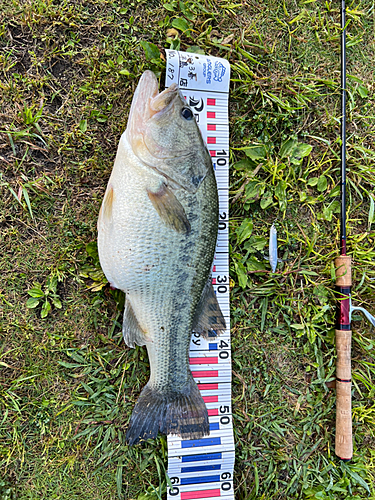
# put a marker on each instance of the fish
(157, 232)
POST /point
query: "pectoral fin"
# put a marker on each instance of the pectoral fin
(170, 209)
(208, 320)
(131, 331)
(108, 203)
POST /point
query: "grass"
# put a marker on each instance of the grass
(68, 383)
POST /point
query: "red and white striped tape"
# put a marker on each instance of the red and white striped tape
(203, 468)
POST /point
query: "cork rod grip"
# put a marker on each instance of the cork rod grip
(344, 438)
(343, 270)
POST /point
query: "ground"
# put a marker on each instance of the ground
(68, 382)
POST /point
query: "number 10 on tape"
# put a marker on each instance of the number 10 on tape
(203, 468)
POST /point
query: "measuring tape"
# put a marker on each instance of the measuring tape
(203, 468)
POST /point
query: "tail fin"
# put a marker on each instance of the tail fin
(182, 413)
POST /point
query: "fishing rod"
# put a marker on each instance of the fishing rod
(344, 308)
(343, 269)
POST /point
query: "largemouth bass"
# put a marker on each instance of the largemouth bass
(157, 231)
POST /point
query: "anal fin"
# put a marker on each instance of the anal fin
(208, 319)
(169, 209)
(131, 331)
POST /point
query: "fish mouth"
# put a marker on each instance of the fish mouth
(163, 101)
(147, 102)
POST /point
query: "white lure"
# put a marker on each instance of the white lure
(369, 316)
(273, 248)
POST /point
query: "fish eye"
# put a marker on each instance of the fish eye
(187, 113)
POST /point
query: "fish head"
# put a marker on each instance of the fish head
(164, 135)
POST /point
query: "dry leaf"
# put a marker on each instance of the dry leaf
(172, 33)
